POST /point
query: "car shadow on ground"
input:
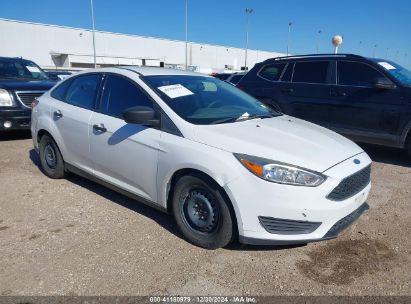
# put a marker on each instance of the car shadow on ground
(387, 155)
(15, 135)
(161, 218)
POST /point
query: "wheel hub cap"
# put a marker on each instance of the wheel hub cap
(200, 211)
(50, 156)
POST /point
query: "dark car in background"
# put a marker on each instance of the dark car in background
(21, 81)
(57, 75)
(365, 99)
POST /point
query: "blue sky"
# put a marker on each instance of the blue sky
(384, 23)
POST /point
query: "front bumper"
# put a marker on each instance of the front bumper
(254, 198)
(15, 119)
(331, 234)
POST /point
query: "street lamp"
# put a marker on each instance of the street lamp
(248, 12)
(318, 40)
(186, 44)
(94, 38)
(289, 37)
(359, 47)
(373, 52)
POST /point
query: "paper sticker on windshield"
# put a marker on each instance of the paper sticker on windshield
(33, 69)
(386, 65)
(175, 91)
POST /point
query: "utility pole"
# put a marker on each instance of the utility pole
(248, 12)
(186, 44)
(94, 29)
(289, 37)
(318, 41)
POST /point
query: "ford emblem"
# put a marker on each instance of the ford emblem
(357, 161)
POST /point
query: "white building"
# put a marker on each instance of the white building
(53, 46)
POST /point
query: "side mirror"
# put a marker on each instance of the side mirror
(384, 83)
(141, 115)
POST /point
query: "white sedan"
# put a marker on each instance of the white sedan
(226, 166)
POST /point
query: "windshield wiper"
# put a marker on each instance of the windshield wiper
(243, 118)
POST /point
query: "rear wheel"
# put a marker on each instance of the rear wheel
(202, 213)
(51, 160)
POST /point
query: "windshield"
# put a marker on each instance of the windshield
(21, 69)
(206, 100)
(400, 73)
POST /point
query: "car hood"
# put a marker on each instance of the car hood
(26, 85)
(284, 139)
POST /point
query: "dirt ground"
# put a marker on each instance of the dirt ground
(74, 237)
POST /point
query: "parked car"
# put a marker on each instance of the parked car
(365, 99)
(221, 76)
(57, 75)
(235, 77)
(21, 81)
(221, 162)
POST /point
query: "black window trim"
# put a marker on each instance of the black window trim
(156, 106)
(328, 80)
(337, 78)
(272, 63)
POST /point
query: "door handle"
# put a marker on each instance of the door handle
(338, 94)
(58, 114)
(100, 128)
(288, 90)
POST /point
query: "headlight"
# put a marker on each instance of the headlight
(281, 173)
(5, 99)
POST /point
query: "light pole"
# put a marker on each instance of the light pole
(289, 37)
(94, 38)
(248, 12)
(359, 47)
(386, 53)
(186, 44)
(373, 52)
(318, 40)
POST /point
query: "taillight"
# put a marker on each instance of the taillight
(34, 103)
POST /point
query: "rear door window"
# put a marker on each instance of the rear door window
(60, 91)
(356, 74)
(272, 72)
(83, 91)
(311, 72)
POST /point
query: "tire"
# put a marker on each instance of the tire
(408, 145)
(51, 161)
(202, 213)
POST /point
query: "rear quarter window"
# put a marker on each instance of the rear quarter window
(61, 90)
(272, 72)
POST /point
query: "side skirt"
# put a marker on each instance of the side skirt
(86, 175)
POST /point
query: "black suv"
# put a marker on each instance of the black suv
(21, 81)
(365, 99)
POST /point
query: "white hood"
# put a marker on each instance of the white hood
(285, 139)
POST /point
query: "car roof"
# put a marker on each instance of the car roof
(315, 56)
(13, 59)
(144, 71)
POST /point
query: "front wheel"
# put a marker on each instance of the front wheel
(202, 213)
(51, 160)
(408, 146)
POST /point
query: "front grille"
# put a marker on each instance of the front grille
(26, 97)
(282, 226)
(351, 185)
